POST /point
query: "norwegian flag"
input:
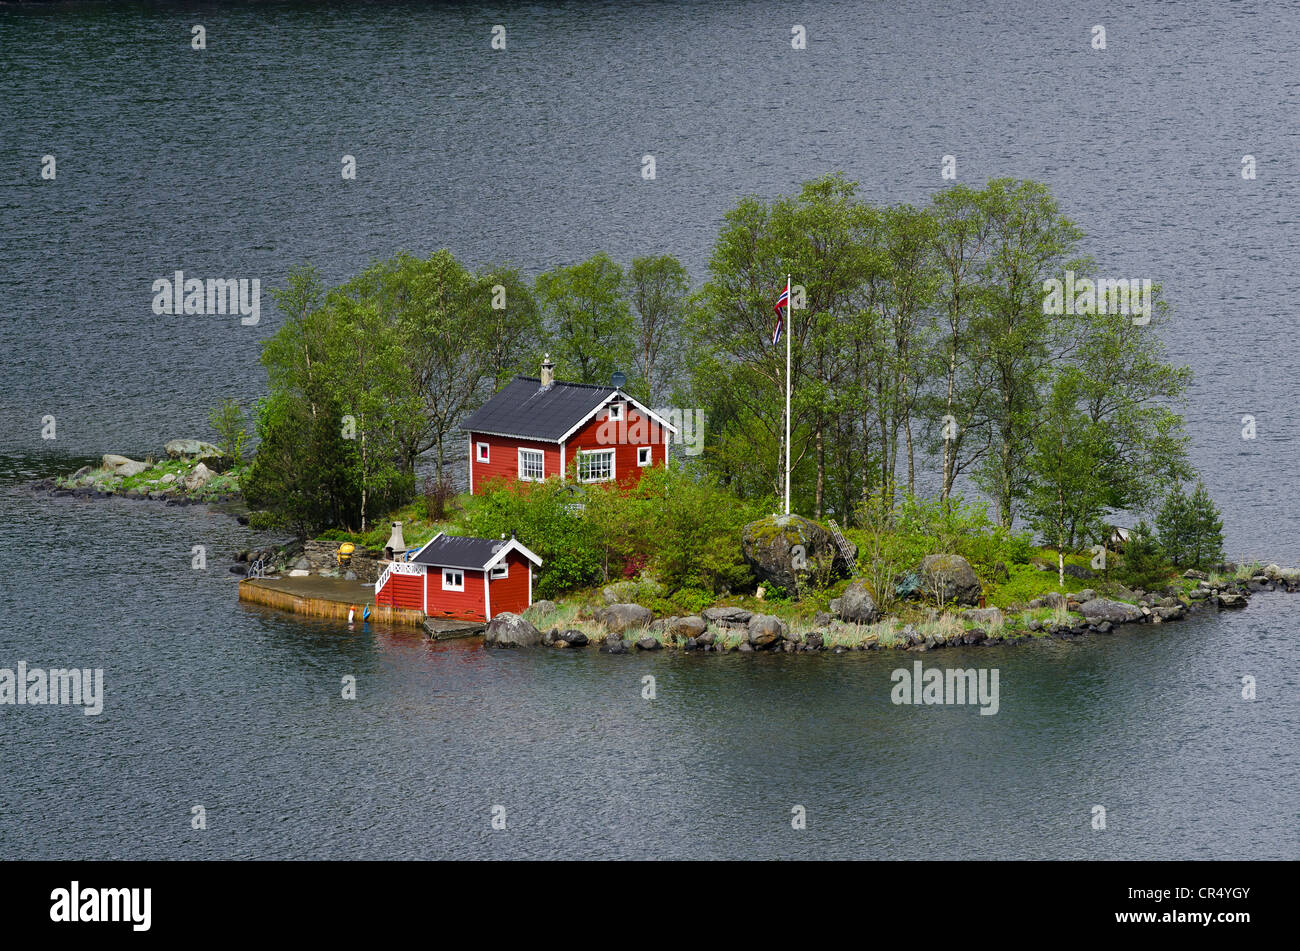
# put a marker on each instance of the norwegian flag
(784, 301)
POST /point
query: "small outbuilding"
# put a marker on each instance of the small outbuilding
(467, 579)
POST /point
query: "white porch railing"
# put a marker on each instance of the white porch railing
(396, 568)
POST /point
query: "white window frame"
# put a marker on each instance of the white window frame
(542, 476)
(452, 573)
(644, 451)
(482, 452)
(617, 412)
(499, 571)
(597, 452)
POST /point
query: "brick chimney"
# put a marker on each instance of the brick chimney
(548, 372)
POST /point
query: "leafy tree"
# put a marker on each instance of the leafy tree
(587, 319)
(227, 421)
(1068, 492)
(1029, 242)
(657, 289)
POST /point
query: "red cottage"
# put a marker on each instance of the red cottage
(533, 429)
(467, 579)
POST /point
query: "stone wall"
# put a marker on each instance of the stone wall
(366, 563)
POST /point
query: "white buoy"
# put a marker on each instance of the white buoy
(351, 613)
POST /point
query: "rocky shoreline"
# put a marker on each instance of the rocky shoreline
(625, 627)
(189, 472)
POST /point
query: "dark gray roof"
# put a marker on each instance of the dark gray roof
(452, 552)
(522, 408)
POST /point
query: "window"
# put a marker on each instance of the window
(500, 571)
(596, 465)
(482, 452)
(453, 579)
(531, 466)
(616, 412)
(643, 456)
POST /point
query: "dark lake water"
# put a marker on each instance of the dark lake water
(225, 163)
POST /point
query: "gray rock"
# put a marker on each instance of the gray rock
(613, 646)
(618, 618)
(951, 576)
(856, 605)
(510, 630)
(1102, 609)
(539, 609)
(113, 462)
(1201, 575)
(787, 550)
(198, 477)
(191, 449)
(684, 628)
(1078, 571)
(745, 648)
(984, 615)
(765, 630)
(574, 638)
(1232, 600)
(648, 644)
(131, 468)
(727, 617)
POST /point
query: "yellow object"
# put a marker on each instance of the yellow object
(344, 554)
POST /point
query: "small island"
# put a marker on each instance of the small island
(853, 368)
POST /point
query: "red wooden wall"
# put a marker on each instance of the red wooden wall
(637, 431)
(464, 605)
(403, 591)
(503, 460)
(511, 592)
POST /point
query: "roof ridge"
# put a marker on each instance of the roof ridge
(587, 386)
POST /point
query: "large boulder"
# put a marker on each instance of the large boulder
(950, 578)
(510, 630)
(131, 468)
(191, 449)
(786, 550)
(620, 618)
(1116, 612)
(684, 628)
(113, 462)
(765, 630)
(198, 477)
(856, 605)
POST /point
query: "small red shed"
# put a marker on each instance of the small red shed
(467, 579)
(535, 428)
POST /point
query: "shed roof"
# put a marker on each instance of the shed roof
(451, 551)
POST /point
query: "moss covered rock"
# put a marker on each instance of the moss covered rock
(790, 550)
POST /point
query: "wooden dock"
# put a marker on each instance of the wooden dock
(314, 596)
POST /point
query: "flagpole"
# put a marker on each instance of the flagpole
(789, 331)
